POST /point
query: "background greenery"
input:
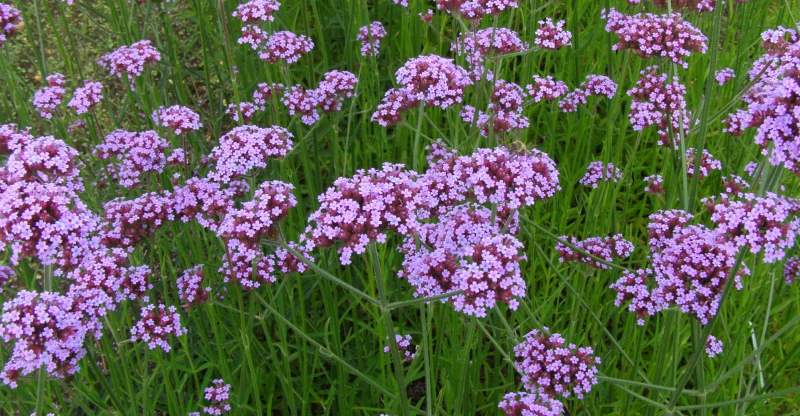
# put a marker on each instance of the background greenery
(304, 346)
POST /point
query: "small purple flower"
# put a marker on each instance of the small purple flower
(190, 290)
(546, 88)
(257, 11)
(86, 97)
(47, 100)
(370, 37)
(530, 404)
(713, 346)
(218, 396)
(405, 346)
(285, 46)
(724, 75)
(133, 154)
(552, 35)
(606, 248)
(598, 171)
(654, 184)
(10, 21)
(246, 148)
(791, 270)
(130, 60)
(177, 118)
(156, 323)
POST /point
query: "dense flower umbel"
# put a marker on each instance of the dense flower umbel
(606, 248)
(86, 97)
(244, 229)
(598, 171)
(504, 112)
(434, 80)
(47, 160)
(303, 103)
(156, 323)
(762, 223)
(243, 111)
(129, 221)
(47, 99)
(264, 92)
(204, 201)
(334, 87)
(47, 333)
(476, 9)
(734, 185)
(254, 11)
(713, 346)
(285, 46)
(10, 20)
(658, 103)
(552, 35)
(391, 108)
(177, 118)
(466, 250)
(634, 287)
(667, 36)
(370, 37)
(405, 345)
(246, 148)
(599, 85)
(773, 102)
(130, 60)
(530, 404)
(654, 184)
(707, 163)
(218, 396)
(13, 138)
(662, 226)
(549, 365)
(361, 209)
(572, 100)
(492, 41)
(791, 270)
(44, 221)
(546, 88)
(190, 290)
(724, 75)
(133, 154)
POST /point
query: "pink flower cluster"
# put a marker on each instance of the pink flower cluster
(130, 61)
(328, 96)
(128, 221)
(86, 97)
(156, 323)
(243, 230)
(475, 10)
(177, 118)
(284, 46)
(246, 148)
(551, 366)
(204, 201)
(593, 85)
(257, 11)
(606, 248)
(546, 88)
(190, 290)
(651, 35)
(598, 171)
(133, 154)
(370, 37)
(13, 138)
(707, 163)
(724, 75)
(658, 103)
(504, 113)
(45, 159)
(405, 345)
(530, 404)
(10, 21)
(47, 100)
(478, 45)
(761, 223)
(47, 332)
(218, 396)
(552, 35)
(772, 107)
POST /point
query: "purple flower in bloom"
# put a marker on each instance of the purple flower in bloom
(713, 346)
(246, 148)
(530, 404)
(126, 222)
(552, 35)
(46, 100)
(549, 365)
(654, 184)
(606, 248)
(218, 396)
(370, 37)
(6, 274)
(706, 165)
(391, 108)
(599, 85)
(130, 60)
(598, 171)
(264, 92)
(13, 138)
(156, 323)
(658, 103)
(257, 11)
(791, 270)
(434, 80)
(492, 41)
(724, 75)
(405, 345)
(86, 97)
(47, 160)
(133, 154)
(190, 290)
(243, 111)
(546, 88)
(177, 118)
(204, 201)
(285, 46)
(10, 21)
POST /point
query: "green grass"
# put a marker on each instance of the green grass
(306, 345)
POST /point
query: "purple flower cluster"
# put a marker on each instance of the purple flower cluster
(130, 61)
(593, 85)
(190, 290)
(493, 41)
(654, 184)
(243, 111)
(551, 366)
(204, 201)
(133, 154)
(10, 21)
(598, 171)
(658, 103)
(45, 159)
(86, 97)
(761, 223)
(177, 118)
(284, 46)
(713, 346)
(12, 138)
(475, 10)
(772, 107)
(47, 100)
(724, 75)
(530, 404)
(218, 396)
(328, 96)
(648, 35)
(552, 35)
(434, 80)
(257, 11)
(791, 270)
(264, 92)
(707, 163)
(246, 148)
(243, 229)
(504, 113)
(128, 221)
(405, 345)
(6, 275)
(156, 323)
(606, 248)
(370, 37)
(546, 88)
(47, 332)
(391, 108)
